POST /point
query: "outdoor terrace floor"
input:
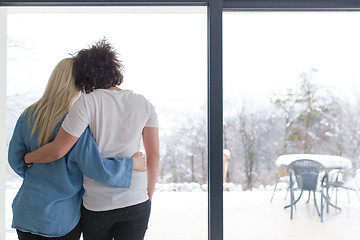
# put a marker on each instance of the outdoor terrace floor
(247, 215)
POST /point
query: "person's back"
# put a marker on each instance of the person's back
(119, 120)
(35, 207)
(116, 119)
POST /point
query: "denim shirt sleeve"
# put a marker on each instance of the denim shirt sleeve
(18, 149)
(111, 171)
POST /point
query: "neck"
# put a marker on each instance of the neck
(114, 88)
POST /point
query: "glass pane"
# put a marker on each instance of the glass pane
(164, 51)
(291, 86)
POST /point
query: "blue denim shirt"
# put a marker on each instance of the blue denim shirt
(49, 200)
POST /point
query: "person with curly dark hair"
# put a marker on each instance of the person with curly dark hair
(118, 120)
(92, 66)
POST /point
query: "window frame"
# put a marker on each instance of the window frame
(214, 28)
(215, 98)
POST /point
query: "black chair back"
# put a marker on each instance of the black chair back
(306, 173)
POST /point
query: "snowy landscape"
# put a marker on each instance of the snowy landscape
(302, 101)
(180, 212)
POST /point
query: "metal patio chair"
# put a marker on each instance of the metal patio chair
(283, 177)
(336, 181)
(308, 174)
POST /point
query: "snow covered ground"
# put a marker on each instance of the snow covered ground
(182, 215)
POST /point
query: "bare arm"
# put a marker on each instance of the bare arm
(53, 150)
(151, 145)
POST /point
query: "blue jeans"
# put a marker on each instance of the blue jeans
(129, 223)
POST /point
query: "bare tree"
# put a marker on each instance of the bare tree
(307, 115)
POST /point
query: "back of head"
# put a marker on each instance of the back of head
(59, 95)
(97, 67)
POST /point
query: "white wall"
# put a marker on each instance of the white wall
(3, 156)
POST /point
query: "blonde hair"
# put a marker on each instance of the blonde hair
(59, 95)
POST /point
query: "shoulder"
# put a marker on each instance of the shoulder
(24, 115)
(85, 98)
(24, 118)
(137, 96)
(22, 127)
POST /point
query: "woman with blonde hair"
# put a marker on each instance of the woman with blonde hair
(48, 204)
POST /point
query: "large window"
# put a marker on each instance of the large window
(270, 58)
(291, 85)
(164, 51)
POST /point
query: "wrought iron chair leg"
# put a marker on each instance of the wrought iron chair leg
(291, 202)
(316, 206)
(294, 202)
(357, 194)
(287, 191)
(308, 197)
(347, 191)
(274, 191)
(336, 199)
(322, 207)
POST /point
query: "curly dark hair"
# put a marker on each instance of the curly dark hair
(97, 67)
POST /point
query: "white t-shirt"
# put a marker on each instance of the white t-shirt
(116, 120)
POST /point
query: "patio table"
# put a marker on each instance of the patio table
(330, 162)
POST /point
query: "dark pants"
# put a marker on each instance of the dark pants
(129, 223)
(73, 235)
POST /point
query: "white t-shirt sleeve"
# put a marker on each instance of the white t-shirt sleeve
(77, 119)
(153, 118)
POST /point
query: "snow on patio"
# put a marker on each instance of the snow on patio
(247, 215)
